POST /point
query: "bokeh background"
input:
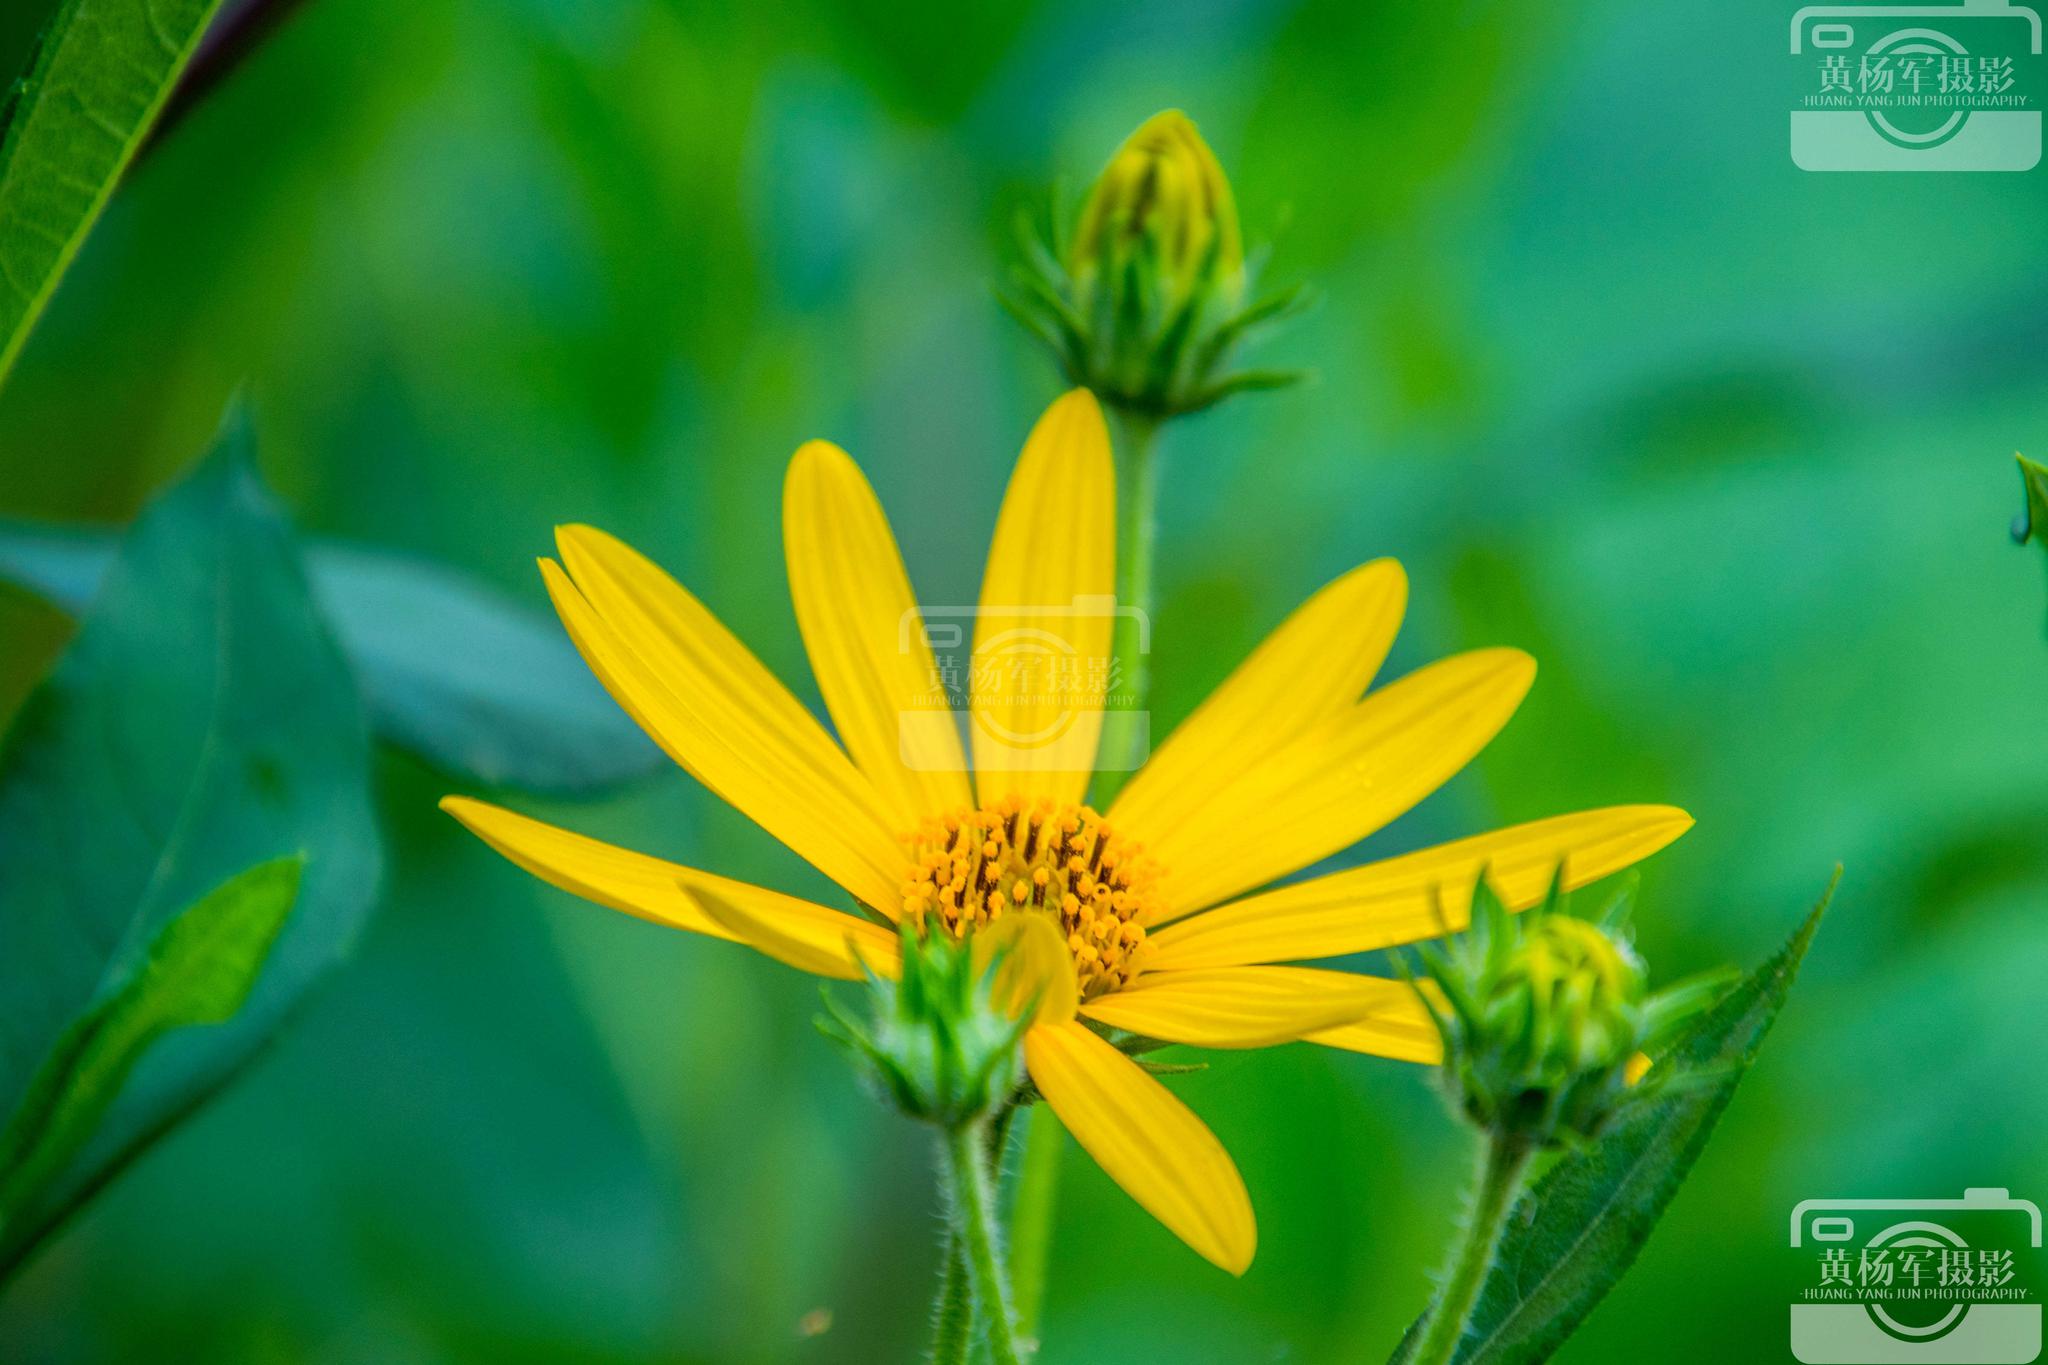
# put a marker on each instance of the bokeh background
(1726, 445)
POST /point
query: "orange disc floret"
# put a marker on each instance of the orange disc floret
(1016, 856)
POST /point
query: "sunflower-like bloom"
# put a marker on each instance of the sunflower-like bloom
(1159, 898)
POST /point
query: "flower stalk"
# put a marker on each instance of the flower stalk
(971, 1199)
(1126, 728)
(953, 1310)
(1504, 1164)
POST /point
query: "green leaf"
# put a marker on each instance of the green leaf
(2032, 522)
(201, 722)
(199, 970)
(100, 77)
(451, 672)
(1571, 1238)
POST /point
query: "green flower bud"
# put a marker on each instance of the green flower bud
(1162, 207)
(942, 1040)
(1144, 302)
(1547, 1018)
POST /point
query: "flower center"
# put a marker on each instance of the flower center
(970, 867)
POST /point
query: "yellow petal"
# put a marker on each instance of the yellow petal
(1312, 668)
(1398, 1027)
(612, 876)
(653, 889)
(1036, 967)
(717, 711)
(1042, 638)
(1148, 1141)
(1239, 1006)
(831, 945)
(866, 638)
(1342, 780)
(1404, 899)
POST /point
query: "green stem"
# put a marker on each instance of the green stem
(974, 1232)
(953, 1313)
(1031, 1210)
(1501, 1169)
(998, 1135)
(1126, 728)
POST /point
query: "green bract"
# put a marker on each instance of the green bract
(940, 1043)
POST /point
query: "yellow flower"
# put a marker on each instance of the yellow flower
(1158, 898)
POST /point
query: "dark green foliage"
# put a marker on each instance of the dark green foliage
(480, 688)
(202, 722)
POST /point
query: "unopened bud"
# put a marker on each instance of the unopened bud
(1547, 1018)
(941, 1041)
(1162, 206)
(1145, 303)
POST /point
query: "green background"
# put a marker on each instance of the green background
(1726, 445)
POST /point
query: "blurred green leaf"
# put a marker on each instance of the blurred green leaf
(199, 970)
(2032, 522)
(201, 722)
(100, 77)
(450, 671)
(1571, 1238)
